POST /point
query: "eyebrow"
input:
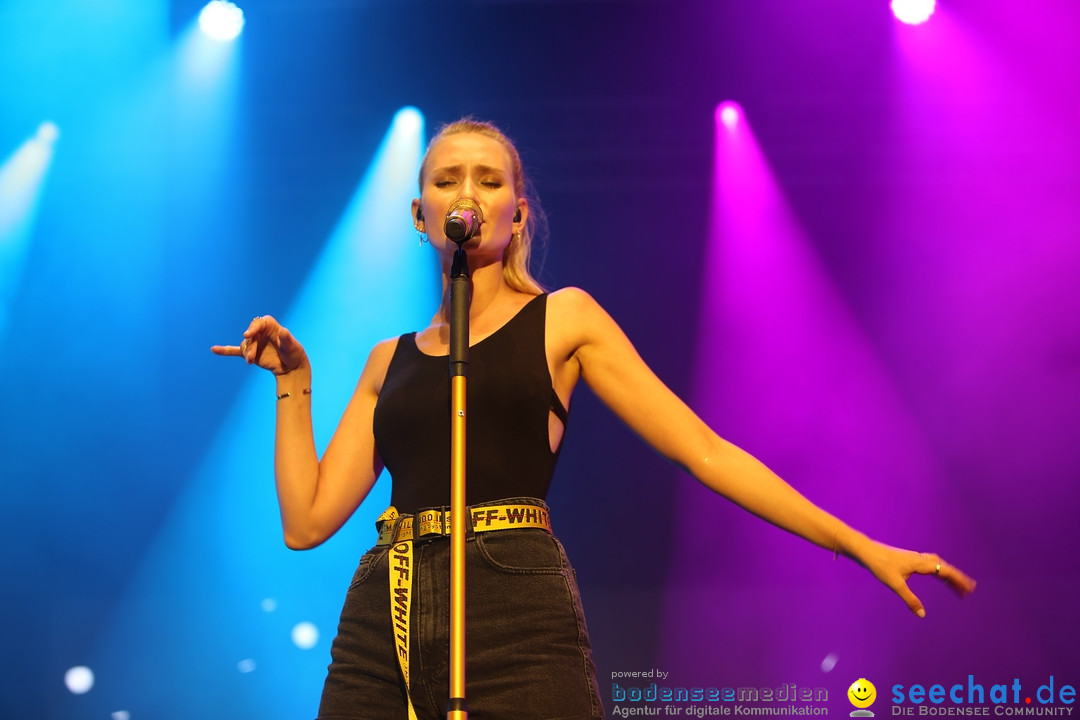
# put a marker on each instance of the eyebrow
(459, 168)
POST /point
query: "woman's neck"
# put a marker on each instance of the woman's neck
(488, 285)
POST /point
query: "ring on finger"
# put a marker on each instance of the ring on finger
(937, 569)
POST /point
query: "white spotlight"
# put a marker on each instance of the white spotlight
(727, 114)
(913, 12)
(79, 679)
(221, 20)
(48, 133)
(409, 119)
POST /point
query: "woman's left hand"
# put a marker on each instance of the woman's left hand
(893, 566)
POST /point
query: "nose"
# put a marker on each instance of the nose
(468, 189)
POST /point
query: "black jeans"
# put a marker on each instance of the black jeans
(527, 651)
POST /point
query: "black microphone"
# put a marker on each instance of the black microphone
(463, 220)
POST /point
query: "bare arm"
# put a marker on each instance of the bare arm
(610, 365)
(315, 496)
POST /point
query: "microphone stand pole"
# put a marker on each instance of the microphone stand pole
(460, 299)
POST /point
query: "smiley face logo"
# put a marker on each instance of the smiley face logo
(862, 693)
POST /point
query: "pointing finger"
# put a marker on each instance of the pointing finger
(226, 350)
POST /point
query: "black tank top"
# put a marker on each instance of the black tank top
(510, 394)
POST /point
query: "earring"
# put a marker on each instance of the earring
(420, 234)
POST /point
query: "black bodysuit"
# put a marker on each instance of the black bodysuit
(528, 651)
(510, 395)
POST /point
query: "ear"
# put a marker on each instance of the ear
(521, 215)
(418, 214)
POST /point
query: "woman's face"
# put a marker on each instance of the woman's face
(473, 166)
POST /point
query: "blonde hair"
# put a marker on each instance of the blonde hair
(518, 253)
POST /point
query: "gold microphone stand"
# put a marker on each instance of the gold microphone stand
(460, 299)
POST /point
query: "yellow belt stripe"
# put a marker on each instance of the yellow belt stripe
(400, 565)
(400, 607)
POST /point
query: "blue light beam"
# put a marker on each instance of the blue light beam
(22, 178)
(220, 604)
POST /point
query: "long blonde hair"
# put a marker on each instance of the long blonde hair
(519, 252)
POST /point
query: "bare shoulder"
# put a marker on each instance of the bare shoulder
(377, 363)
(383, 350)
(576, 314)
(579, 328)
(571, 298)
(573, 307)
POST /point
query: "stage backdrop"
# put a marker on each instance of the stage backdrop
(862, 269)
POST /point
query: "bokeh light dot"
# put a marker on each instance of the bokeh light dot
(246, 666)
(79, 679)
(305, 635)
(829, 662)
(269, 605)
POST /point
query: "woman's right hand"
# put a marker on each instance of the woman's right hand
(267, 344)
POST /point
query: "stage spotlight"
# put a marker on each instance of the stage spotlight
(221, 20)
(728, 113)
(913, 12)
(409, 120)
(48, 133)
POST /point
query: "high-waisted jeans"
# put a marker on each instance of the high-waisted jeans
(527, 651)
